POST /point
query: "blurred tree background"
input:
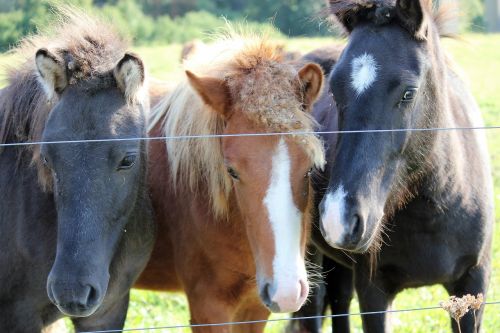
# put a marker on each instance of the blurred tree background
(168, 21)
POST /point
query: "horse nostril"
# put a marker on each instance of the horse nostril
(265, 294)
(92, 297)
(357, 228)
(304, 289)
(322, 229)
(355, 222)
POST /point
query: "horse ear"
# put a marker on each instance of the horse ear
(51, 71)
(130, 76)
(311, 80)
(345, 12)
(213, 91)
(411, 15)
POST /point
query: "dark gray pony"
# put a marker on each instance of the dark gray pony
(75, 218)
(414, 208)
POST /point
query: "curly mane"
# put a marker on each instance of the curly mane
(261, 85)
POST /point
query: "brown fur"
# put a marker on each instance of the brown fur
(250, 71)
(88, 47)
(213, 255)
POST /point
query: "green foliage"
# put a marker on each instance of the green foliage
(10, 31)
(167, 21)
(28, 16)
(23, 17)
(292, 17)
(148, 309)
(473, 15)
(128, 17)
(21, 21)
(158, 309)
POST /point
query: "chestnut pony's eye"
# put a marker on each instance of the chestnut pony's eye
(44, 160)
(233, 173)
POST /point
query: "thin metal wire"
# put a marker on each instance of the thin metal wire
(275, 320)
(211, 136)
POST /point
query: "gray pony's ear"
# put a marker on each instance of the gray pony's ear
(51, 71)
(412, 17)
(130, 77)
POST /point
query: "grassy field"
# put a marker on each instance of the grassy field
(479, 56)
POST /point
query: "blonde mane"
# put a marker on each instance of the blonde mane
(261, 84)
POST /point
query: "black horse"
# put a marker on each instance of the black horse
(413, 208)
(75, 218)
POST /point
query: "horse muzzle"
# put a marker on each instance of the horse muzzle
(345, 225)
(73, 297)
(284, 296)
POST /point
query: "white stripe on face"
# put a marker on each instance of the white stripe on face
(333, 216)
(364, 72)
(286, 219)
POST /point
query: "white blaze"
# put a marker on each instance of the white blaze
(333, 216)
(285, 218)
(364, 72)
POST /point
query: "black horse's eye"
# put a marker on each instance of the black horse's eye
(127, 162)
(233, 173)
(409, 95)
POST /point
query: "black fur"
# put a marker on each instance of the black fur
(434, 188)
(80, 246)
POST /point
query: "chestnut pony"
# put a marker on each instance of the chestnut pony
(233, 211)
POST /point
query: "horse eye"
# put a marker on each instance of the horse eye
(233, 173)
(409, 95)
(127, 162)
(44, 160)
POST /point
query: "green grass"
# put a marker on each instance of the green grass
(479, 57)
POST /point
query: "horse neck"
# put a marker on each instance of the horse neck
(446, 108)
(437, 84)
(431, 114)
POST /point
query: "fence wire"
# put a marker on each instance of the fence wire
(232, 323)
(213, 136)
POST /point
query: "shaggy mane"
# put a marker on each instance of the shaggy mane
(444, 17)
(92, 47)
(261, 84)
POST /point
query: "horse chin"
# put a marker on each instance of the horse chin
(281, 296)
(365, 244)
(77, 313)
(363, 248)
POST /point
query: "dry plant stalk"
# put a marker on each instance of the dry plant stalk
(458, 307)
